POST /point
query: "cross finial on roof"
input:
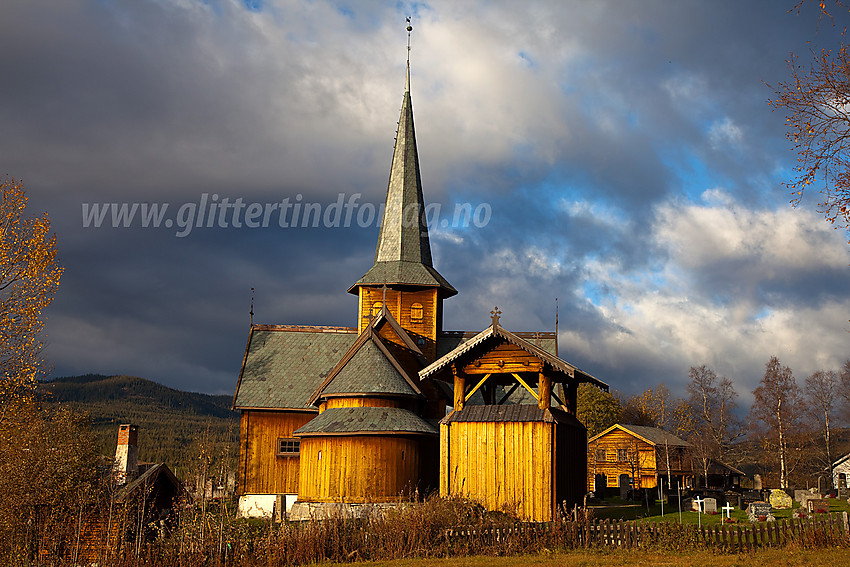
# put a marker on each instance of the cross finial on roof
(494, 314)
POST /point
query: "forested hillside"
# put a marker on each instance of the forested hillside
(174, 426)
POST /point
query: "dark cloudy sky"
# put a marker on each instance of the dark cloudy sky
(625, 149)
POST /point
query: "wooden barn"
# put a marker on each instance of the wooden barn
(350, 415)
(633, 456)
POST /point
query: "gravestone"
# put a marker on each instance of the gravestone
(780, 500)
(709, 505)
(821, 485)
(800, 494)
(757, 482)
(759, 512)
(748, 498)
(818, 506)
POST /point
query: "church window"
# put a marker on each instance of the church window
(416, 313)
(376, 308)
(288, 447)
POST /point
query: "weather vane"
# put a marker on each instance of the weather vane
(409, 29)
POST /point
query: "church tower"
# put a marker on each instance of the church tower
(403, 277)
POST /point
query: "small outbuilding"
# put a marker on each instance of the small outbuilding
(518, 445)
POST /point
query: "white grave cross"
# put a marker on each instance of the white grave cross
(699, 501)
(728, 509)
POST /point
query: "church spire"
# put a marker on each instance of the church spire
(403, 253)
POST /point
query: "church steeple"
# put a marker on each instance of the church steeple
(403, 279)
(403, 253)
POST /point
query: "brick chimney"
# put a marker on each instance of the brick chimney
(127, 453)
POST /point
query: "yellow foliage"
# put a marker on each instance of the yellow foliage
(29, 278)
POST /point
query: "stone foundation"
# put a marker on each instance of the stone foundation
(323, 510)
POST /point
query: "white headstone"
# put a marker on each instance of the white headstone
(709, 506)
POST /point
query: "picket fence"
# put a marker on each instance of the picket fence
(815, 531)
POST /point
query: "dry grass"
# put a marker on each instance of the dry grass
(773, 557)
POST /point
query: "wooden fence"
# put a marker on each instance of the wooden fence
(816, 531)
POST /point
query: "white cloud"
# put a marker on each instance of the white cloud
(675, 318)
(724, 133)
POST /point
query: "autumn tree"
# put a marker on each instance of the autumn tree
(50, 479)
(658, 408)
(712, 402)
(29, 277)
(777, 410)
(815, 100)
(596, 409)
(821, 398)
(844, 379)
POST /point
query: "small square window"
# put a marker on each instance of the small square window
(600, 455)
(288, 447)
(622, 455)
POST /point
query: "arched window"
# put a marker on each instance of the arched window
(416, 312)
(376, 308)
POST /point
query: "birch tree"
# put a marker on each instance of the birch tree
(712, 401)
(777, 409)
(821, 395)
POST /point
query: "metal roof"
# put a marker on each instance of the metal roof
(284, 365)
(366, 420)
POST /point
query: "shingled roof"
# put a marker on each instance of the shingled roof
(496, 331)
(359, 420)
(369, 366)
(369, 371)
(403, 253)
(284, 365)
(511, 413)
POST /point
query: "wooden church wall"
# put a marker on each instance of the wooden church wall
(261, 470)
(358, 468)
(400, 303)
(501, 465)
(362, 402)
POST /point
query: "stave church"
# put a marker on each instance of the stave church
(395, 407)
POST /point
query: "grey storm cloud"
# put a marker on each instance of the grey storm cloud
(626, 151)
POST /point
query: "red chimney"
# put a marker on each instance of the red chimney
(127, 453)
